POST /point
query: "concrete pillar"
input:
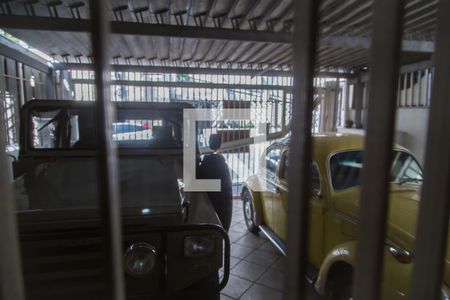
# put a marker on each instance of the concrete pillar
(358, 95)
(50, 85)
(22, 82)
(328, 110)
(346, 102)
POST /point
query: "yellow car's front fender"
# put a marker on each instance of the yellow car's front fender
(396, 275)
(344, 253)
(252, 185)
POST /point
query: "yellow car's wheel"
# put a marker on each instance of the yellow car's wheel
(247, 206)
(339, 284)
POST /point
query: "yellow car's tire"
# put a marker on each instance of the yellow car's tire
(249, 212)
(339, 284)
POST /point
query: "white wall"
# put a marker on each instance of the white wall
(411, 130)
(412, 125)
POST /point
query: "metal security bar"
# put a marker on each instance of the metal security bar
(107, 173)
(432, 228)
(385, 54)
(280, 100)
(305, 37)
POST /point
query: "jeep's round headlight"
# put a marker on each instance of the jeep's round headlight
(140, 259)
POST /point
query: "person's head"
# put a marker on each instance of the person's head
(162, 132)
(215, 141)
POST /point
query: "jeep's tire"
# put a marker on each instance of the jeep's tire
(339, 286)
(249, 212)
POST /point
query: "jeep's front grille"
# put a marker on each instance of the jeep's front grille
(68, 264)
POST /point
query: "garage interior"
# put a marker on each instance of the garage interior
(325, 78)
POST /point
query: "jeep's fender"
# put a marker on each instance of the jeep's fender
(343, 253)
(252, 184)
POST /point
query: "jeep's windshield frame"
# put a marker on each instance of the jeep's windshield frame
(167, 113)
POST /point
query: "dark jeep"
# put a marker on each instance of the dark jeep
(173, 242)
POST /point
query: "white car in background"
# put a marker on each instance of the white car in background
(131, 131)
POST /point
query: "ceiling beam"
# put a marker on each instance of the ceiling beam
(20, 54)
(417, 66)
(357, 42)
(176, 70)
(187, 70)
(172, 84)
(132, 28)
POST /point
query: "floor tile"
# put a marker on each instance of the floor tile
(248, 270)
(259, 292)
(251, 257)
(250, 240)
(225, 297)
(273, 279)
(235, 236)
(233, 222)
(238, 214)
(239, 251)
(238, 218)
(263, 258)
(269, 247)
(236, 287)
(239, 228)
(279, 265)
(234, 261)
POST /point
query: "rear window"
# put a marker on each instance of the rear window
(64, 128)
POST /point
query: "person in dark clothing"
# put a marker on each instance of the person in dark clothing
(214, 166)
(162, 137)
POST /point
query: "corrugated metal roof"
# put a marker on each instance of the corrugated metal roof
(345, 21)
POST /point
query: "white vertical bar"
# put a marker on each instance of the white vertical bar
(11, 281)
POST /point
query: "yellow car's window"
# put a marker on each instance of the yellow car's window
(315, 175)
(345, 169)
(272, 159)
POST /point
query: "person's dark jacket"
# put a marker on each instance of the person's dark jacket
(214, 166)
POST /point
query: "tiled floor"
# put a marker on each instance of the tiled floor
(257, 268)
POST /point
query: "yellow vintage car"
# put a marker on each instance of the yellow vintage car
(334, 205)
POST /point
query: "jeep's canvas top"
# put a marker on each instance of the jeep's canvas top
(57, 166)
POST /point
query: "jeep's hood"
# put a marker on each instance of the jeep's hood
(402, 216)
(145, 182)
